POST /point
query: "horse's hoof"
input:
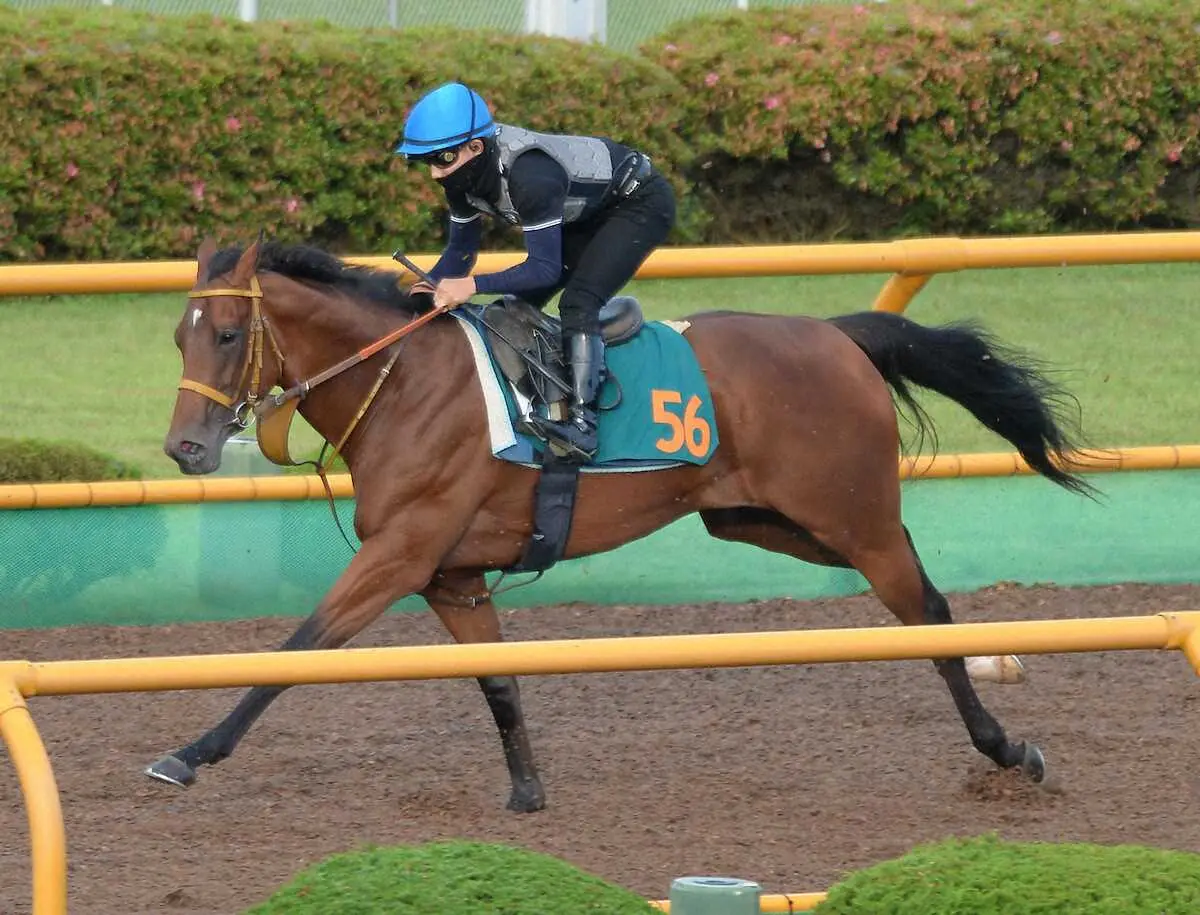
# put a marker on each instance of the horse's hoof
(1005, 669)
(1034, 763)
(173, 771)
(527, 799)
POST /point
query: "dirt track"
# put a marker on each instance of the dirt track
(788, 775)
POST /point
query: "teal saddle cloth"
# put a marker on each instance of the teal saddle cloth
(656, 410)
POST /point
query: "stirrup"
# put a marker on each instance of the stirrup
(558, 438)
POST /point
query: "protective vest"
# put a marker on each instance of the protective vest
(586, 161)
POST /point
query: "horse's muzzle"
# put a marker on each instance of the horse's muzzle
(194, 457)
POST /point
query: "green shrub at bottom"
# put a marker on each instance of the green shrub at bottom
(987, 876)
(448, 878)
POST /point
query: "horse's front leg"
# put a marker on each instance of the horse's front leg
(382, 572)
(465, 608)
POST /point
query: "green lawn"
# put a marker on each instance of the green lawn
(103, 369)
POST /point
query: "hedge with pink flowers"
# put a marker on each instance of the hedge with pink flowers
(943, 116)
(130, 136)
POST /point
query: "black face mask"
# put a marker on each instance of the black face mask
(480, 177)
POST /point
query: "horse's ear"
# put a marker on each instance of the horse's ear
(208, 248)
(247, 265)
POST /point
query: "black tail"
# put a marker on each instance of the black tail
(999, 386)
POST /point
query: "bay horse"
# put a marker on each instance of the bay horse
(806, 465)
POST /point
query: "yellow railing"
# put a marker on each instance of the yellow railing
(770, 903)
(20, 680)
(911, 261)
(308, 486)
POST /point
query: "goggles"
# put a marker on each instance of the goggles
(443, 157)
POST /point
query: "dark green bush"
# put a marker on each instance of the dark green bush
(449, 878)
(132, 136)
(986, 876)
(33, 461)
(138, 135)
(942, 116)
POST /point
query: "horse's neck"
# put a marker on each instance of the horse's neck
(316, 331)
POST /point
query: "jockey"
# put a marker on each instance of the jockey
(590, 210)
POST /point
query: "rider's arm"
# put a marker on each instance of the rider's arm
(538, 188)
(462, 244)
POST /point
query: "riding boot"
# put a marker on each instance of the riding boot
(575, 439)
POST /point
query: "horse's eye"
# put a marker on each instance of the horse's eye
(227, 336)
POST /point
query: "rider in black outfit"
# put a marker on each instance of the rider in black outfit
(591, 210)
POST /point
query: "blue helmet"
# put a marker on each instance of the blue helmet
(448, 116)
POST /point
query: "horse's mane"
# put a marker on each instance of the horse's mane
(312, 265)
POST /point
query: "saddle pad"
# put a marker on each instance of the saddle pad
(655, 408)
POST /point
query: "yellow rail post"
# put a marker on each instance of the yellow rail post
(899, 290)
(1191, 649)
(47, 834)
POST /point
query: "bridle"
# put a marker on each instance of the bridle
(259, 328)
(274, 412)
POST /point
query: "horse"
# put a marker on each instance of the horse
(807, 411)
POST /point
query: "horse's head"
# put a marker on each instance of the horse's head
(221, 338)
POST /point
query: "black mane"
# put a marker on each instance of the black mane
(312, 265)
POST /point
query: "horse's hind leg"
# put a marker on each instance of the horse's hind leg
(772, 531)
(900, 582)
(466, 610)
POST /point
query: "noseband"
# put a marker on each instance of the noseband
(259, 328)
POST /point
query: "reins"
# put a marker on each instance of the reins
(274, 412)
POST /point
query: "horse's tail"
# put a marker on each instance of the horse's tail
(999, 386)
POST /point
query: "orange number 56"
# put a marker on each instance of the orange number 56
(690, 430)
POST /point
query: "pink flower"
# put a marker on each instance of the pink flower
(1054, 38)
(72, 169)
(292, 205)
(784, 40)
(232, 124)
(820, 144)
(711, 80)
(859, 9)
(198, 190)
(1174, 152)
(1068, 126)
(670, 47)
(771, 102)
(1066, 145)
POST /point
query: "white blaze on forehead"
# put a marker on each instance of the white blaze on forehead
(197, 314)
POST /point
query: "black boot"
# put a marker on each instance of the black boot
(575, 439)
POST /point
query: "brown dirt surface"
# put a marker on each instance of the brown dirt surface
(791, 776)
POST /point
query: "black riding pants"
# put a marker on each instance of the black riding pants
(602, 255)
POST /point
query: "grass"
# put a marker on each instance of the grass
(986, 876)
(102, 370)
(449, 878)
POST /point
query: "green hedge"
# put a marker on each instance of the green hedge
(130, 136)
(986, 876)
(138, 135)
(449, 878)
(936, 117)
(27, 460)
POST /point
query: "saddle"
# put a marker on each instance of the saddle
(527, 345)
